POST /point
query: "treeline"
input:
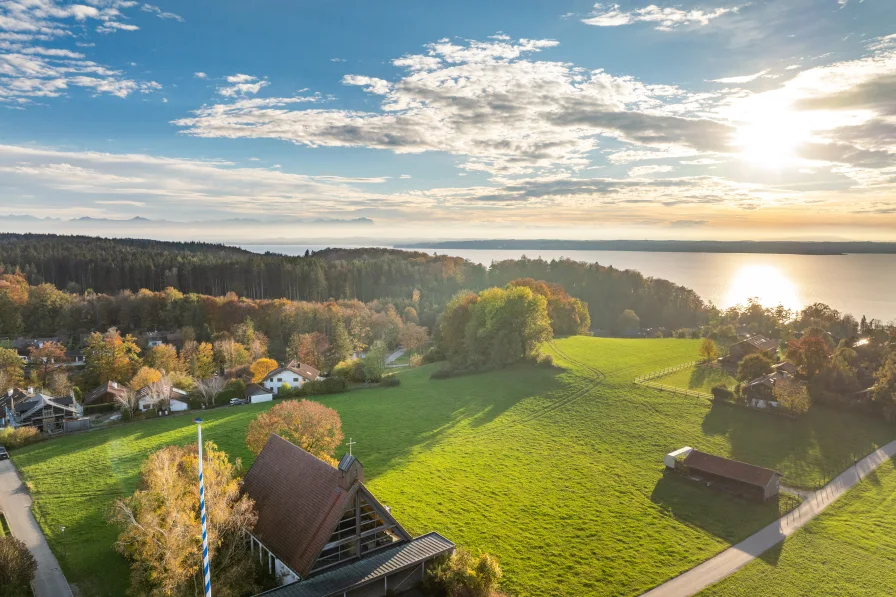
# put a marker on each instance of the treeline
(80, 265)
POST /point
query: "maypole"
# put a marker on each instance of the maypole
(205, 564)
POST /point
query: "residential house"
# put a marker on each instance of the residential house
(746, 480)
(157, 338)
(106, 393)
(752, 345)
(763, 388)
(48, 414)
(322, 533)
(294, 374)
(8, 400)
(169, 398)
(256, 393)
(786, 367)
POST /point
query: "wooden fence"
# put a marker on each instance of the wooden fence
(646, 380)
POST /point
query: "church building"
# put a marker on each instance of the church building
(323, 534)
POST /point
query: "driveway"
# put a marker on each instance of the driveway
(15, 502)
(734, 558)
(395, 355)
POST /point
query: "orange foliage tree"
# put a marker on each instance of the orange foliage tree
(310, 425)
(261, 368)
(161, 532)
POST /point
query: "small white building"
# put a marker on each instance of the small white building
(256, 393)
(294, 374)
(176, 400)
(672, 457)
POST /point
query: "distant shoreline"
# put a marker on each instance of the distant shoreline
(667, 246)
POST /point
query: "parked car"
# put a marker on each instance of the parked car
(4, 455)
(237, 401)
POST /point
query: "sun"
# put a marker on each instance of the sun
(764, 282)
(771, 138)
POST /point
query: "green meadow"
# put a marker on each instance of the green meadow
(848, 551)
(558, 471)
(701, 379)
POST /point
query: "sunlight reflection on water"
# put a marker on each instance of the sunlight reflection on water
(764, 282)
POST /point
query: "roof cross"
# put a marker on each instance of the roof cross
(350, 443)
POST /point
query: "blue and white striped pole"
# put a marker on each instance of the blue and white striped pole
(205, 563)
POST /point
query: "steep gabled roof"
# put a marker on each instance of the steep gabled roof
(306, 371)
(253, 389)
(300, 500)
(110, 387)
(731, 469)
(762, 343)
(26, 409)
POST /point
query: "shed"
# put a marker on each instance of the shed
(746, 480)
(672, 457)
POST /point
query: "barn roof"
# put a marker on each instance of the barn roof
(306, 371)
(731, 469)
(762, 343)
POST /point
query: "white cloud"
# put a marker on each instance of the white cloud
(666, 19)
(370, 84)
(403, 176)
(30, 69)
(742, 78)
(161, 13)
(121, 202)
(241, 86)
(200, 75)
(505, 113)
(702, 162)
(642, 171)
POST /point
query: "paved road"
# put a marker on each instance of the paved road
(734, 558)
(15, 502)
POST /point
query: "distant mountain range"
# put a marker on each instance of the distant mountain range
(665, 246)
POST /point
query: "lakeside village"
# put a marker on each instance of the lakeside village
(316, 529)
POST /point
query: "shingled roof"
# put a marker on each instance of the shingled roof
(300, 500)
(730, 469)
(762, 343)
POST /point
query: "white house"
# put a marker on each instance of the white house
(256, 393)
(294, 374)
(177, 399)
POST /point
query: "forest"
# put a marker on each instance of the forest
(87, 266)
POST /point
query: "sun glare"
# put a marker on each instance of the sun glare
(764, 282)
(772, 138)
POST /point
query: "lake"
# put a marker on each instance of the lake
(857, 284)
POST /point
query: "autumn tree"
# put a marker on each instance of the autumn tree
(209, 388)
(709, 352)
(144, 377)
(409, 315)
(11, 369)
(46, 357)
(17, 568)
(310, 349)
(164, 358)
(464, 575)
(568, 315)
(230, 353)
(59, 384)
(126, 400)
(885, 388)
(198, 359)
(161, 534)
(310, 425)
(413, 337)
(628, 322)
(809, 354)
(792, 396)
(452, 325)
(753, 366)
(111, 357)
(261, 368)
(506, 325)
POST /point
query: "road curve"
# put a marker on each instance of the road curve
(15, 502)
(734, 558)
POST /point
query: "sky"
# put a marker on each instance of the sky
(297, 119)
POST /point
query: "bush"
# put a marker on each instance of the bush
(330, 385)
(237, 386)
(19, 437)
(390, 381)
(721, 392)
(223, 399)
(463, 575)
(350, 370)
(433, 355)
(17, 568)
(416, 360)
(545, 360)
(95, 409)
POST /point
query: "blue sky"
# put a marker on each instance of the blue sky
(763, 119)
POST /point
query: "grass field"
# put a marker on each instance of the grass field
(848, 551)
(702, 379)
(556, 471)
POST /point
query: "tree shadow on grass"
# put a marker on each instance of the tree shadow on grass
(723, 515)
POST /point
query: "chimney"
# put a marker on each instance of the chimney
(9, 392)
(352, 470)
(30, 390)
(115, 384)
